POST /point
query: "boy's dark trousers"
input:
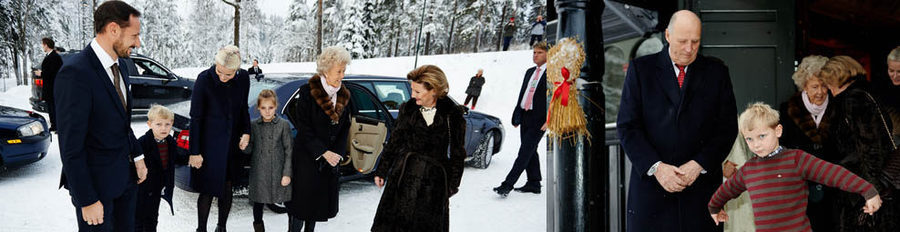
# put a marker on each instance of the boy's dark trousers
(147, 210)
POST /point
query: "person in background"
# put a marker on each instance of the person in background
(255, 71)
(860, 134)
(509, 30)
(474, 89)
(531, 114)
(49, 68)
(537, 30)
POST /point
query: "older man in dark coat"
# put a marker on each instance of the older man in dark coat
(677, 124)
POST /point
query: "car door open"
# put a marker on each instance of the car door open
(368, 130)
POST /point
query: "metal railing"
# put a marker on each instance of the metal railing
(619, 174)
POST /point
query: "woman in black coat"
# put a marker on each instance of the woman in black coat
(420, 174)
(323, 125)
(805, 118)
(474, 89)
(220, 127)
(862, 142)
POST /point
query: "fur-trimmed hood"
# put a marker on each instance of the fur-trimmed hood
(317, 92)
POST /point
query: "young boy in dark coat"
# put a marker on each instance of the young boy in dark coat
(160, 154)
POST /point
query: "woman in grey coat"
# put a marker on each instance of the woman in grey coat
(270, 164)
(474, 89)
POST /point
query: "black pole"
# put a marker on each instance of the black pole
(581, 166)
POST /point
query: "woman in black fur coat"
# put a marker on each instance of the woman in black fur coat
(422, 163)
(862, 141)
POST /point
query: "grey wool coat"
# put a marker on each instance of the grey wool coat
(270, 149)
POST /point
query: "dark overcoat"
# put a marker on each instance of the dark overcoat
(159, 179)
(419, 173)
(321, 126)
(862, 144)
(219, 117)
(658, 121)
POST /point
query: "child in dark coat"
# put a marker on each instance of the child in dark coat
(160, 154)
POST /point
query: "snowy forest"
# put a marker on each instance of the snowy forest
(367, 28)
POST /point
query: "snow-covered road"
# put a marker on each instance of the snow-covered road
(30, 200)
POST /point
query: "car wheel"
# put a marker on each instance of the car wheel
(484, 152)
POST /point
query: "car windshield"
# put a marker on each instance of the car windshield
(391, 93)
(256, 87)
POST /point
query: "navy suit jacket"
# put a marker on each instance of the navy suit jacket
(658, 121)
(539, 103)
(96, 142)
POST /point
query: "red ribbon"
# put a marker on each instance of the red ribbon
(562, 88)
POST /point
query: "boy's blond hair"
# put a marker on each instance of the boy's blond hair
(159, 112)
(757, 113)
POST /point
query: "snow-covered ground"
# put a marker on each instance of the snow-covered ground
(30, 200)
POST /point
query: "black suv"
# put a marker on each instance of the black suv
(151, 83)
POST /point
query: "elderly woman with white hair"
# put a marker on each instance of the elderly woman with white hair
(319, 112)
(805, 119)
(220, 128)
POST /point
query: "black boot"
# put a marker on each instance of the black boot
(310, 226)
(530, 187)
(259, 227)
(220, 229)
(294, 224)
(503, 189)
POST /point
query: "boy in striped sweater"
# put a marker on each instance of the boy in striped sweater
(776, 177)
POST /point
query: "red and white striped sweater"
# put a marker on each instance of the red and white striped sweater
(778, 190)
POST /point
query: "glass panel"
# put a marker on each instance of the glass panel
(392, 93)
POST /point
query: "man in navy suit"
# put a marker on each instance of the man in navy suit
(102, 160)
(677, 122)
(531, 114)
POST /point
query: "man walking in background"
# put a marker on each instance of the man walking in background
(531, 114)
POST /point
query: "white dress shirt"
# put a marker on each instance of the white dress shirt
(534, 82)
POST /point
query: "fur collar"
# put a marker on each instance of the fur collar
(317, 91)
(802, 118)
(445, 106)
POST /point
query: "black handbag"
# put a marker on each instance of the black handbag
(890, 172)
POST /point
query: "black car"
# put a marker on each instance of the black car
(373, 107)
(151, 83)
(24, 137)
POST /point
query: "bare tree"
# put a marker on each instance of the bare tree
(319, 29)
(237, 20)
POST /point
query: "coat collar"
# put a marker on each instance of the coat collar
(274, 121)
(669, 84)
(317, 91)
(804, 121)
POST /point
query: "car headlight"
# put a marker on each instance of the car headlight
(31, 129)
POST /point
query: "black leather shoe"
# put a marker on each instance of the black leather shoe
(503, 190)
(530, 188)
